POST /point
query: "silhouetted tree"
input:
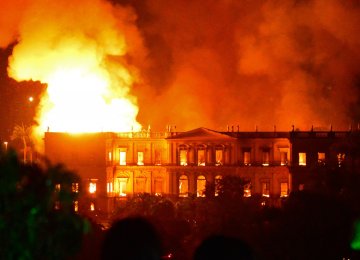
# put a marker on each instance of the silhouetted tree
(231, 187)
(23, 133)
(310, 226)
(37, 220)
(132, 238)
(174, 228)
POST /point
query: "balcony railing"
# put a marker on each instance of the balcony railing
(237, 164)
(143, 134)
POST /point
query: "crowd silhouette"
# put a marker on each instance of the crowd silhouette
(132, 238)
(136, 238)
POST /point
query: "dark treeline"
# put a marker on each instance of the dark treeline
(308, 225)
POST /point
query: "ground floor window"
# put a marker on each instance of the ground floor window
(76, 206)
(218, 179)
(265, 189)
(200, 186)
(284, 189)
(302, 159)
(140, 184)
(121, 186)
(92, 186)
(158, 186)
(247, 189)
(183, 186)
(340, 159)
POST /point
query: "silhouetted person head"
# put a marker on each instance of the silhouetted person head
(224, 248)
(131, 238)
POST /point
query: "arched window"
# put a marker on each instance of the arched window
(200, 186)
(183, 186)
(218, 178)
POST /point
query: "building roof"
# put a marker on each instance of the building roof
(200, 134)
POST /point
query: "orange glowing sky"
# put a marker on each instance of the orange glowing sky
(190, 64)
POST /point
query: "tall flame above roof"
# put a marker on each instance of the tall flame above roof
(80, 50)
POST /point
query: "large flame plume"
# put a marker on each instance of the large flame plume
(80, 49)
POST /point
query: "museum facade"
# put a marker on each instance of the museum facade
(115, 166)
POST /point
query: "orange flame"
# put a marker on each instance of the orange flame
(78, 100)
(82, 62)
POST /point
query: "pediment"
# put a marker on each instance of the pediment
(202, 134)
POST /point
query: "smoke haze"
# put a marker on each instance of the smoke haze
(248, 63)
(209, 63)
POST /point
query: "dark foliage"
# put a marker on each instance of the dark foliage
(315, 224)
(36, 219)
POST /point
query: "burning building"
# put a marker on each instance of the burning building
(295, 67)
(114, 166)
(177, 164)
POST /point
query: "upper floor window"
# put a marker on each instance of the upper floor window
(201, 157)
(109, 156)
(75, 187)
(140, 158)
(247, 158)
(92, 186)
(218, 157)
(302, 159)
(200, 186)
(321, 158)
(283, 158)
(109, 187)
(157, 157)
(183, 157)
(122, 160)
(266, 157)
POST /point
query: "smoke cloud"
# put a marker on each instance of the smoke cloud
(248, 63)
(208, 63)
